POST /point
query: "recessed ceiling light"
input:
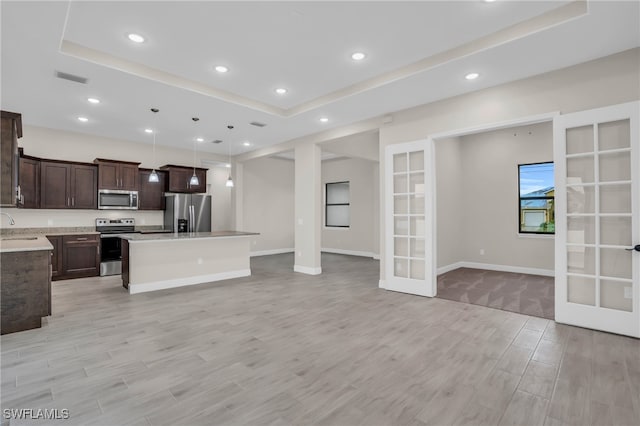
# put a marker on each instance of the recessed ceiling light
(489, 1)
(200, 139)
(83, 119)
(221, 69)
(324, 119)
(136, 38)
(472, 76)
(281, 90)
(246, 144)
(148, 130)
(358, 56)
(93, 100)
(227, 165)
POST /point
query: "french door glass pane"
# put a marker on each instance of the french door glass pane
(615, 231)
(614, 135)
(581, 230)
(612, 295)
(615, 263)
(416, 183)
(401, 225)
(400, 204)
(401, 247)
(401, 267)
(417, 248)
(581, 199)
(580, 140)
(580, 170)
(581, 290)
(416, 161)
(416, 204)
(400, 184)
(400, 162)
(615, 198)
(417, 226)
(581, 260)
(417, 269)
(615, 166)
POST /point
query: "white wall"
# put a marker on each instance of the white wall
(360, 237)
(220, 198)
(477, 184)
(62, 145)
(268, 203)
(605, 81)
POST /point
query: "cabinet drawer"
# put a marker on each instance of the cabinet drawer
(85, 238)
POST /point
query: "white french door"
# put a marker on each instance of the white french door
(597, 154)
(409, 211)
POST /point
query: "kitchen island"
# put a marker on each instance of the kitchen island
(167, 260)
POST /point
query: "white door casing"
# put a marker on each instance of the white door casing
(597, 159)
(409, 214)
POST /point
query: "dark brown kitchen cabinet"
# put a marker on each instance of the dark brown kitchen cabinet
(68, 185)
(56, 255)
(9, 158)
(75, 256)
(151, 194)
(29, 183)
(179, 177)
(80, 256)
(114, 174)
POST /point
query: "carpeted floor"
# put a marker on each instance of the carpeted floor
(522, 293)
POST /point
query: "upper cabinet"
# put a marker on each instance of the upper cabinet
(114, 174)
(9, 158)
(68, 185)
(151, 194)
(180, 177)
(29, 183)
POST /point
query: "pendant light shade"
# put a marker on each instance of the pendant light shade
(194, 181)
(153, 177)
(229, 183)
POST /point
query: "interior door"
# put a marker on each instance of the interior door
(597, 219)
(409, 212)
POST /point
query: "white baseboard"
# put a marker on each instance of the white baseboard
(350, 252)
(376, 257)
(307, 270)
(500, 268)
(382, 284)
(182, 282)
(270, 252)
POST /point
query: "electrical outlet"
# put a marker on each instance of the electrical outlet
(481, 252)
(628, 294)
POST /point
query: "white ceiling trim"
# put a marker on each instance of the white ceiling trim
(517, 31)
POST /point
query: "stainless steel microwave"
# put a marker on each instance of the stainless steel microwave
(113, 199)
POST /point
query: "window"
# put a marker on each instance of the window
(536, 198)
(337, 205)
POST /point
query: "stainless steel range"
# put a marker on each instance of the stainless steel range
(111, 244)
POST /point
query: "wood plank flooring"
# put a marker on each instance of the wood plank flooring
(282, 348)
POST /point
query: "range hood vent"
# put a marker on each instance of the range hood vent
(71, 77)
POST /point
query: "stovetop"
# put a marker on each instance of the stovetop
(115, 226)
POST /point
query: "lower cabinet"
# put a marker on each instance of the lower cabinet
(75, 256)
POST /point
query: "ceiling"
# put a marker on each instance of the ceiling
(416, 52)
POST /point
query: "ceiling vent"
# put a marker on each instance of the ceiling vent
(257, 124)
(216, 141)
(71, 77)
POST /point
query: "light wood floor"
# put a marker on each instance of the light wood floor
(286, 348)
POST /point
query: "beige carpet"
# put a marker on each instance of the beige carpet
(522, 293)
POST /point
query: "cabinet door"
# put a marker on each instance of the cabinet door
(84, 189)
(129, 177)
(56, 256)
(109, 176)
(151, 194)
(179, 180)
(9, 162)
(202, 182)
(55, 185)
(29, 183)
(81, 256)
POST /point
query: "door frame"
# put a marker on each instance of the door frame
(432, 139)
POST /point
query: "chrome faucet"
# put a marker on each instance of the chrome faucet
(11, 221)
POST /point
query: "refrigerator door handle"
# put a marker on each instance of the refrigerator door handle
(193, 218)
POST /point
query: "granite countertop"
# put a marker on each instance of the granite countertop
(133, 238)
(24, 243)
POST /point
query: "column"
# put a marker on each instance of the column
(308, 209)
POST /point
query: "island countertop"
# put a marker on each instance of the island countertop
(174, 236)
(24, 243)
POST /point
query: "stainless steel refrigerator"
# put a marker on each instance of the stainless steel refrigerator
(187, 212)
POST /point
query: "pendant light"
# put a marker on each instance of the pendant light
(229, 183)
(194, 181)
(153, 177)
